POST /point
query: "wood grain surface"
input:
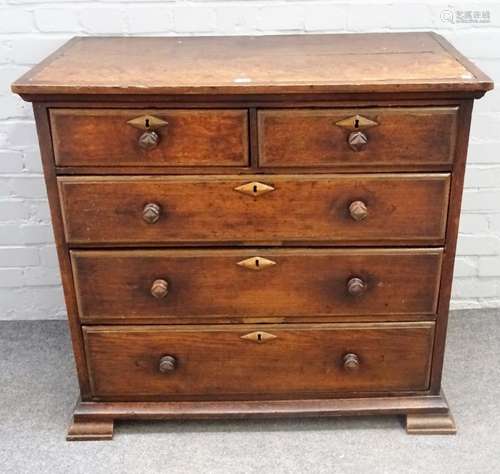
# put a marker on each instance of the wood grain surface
(215, 362)
(402, 136)
(102, 137)
(212, 283)
(374, 62)
(402, 209)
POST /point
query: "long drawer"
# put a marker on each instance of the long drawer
(158, 137)
(233, 284)
(258, 362)
(399, 137)
(382, 209)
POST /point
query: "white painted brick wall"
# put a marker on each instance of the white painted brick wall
(30, 29)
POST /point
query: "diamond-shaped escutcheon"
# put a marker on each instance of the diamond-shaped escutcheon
(254, 188)
(259, 337)
(256, 263)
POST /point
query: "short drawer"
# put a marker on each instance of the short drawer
(232, 284)
(258, 362)
(377, 138)
(372, 209)
(134, 137)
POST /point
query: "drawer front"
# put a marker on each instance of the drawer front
(390, 137)
(360, 209)
(257, 283)
(105, 137)
(229, 362)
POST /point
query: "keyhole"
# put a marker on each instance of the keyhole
(146, 123)
(356, 123)
(254, 188)
(257, 262)
(259, 337)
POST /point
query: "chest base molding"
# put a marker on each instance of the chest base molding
(425, 414)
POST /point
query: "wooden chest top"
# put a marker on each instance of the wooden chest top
(344, 63)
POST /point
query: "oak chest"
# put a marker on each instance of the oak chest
(256, 226)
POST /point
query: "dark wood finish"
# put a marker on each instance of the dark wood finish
(256, 409)
(313, 138)
(215, 362)
(44, 137)
(212, 283)
(90, 429)
(286, 112)
(375, 62)
(100, 137)
(456, 191)
(430, 423)
(402, 209)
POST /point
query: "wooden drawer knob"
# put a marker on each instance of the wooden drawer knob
(167, 363)
(351, 362)
(357, 140)
(149, 140)
(159, 289)
(151, 213)
(358, 210)
(356, 286)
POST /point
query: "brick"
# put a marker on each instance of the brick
(481, 200)
(16, 20)
(25, 303)
(484, 152)
(370, 17)
(5, 191)
(474, 288)
(39, 210)
(11, 161)
(32, 160)
(469, 303)
(10, 234)
(241, 19)
(149, 19)
(57, 20)
(475, 43)
(495, 222)
(474, 223)
(5, 51)
(18, 257)
(39, 276)
(281, 17)
(28, 187)
(11, 277)
(35, 234)
(8, 74)
(482, 176)
(465, 267)
(484, 126)
(325, 17)
(103, 20)
(20, 134)
(13, 107)
(48, 257)
(32, 50)
(489, 266)
(13, 210)
(190, 19)
(478, 245)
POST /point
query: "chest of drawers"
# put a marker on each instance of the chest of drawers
(256, 226)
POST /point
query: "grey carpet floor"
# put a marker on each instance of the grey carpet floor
(38, 390)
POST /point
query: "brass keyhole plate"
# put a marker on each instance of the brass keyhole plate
(259, 337)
